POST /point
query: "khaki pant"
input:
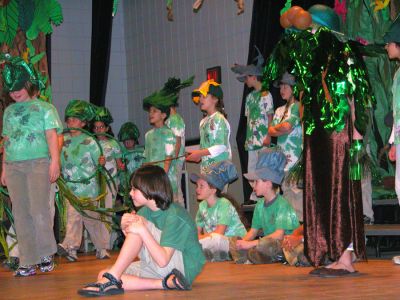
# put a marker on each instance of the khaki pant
(29, 188)
(147, 268)
(74, 230)
(14, 252)
(215, 247)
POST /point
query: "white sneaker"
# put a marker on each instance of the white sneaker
(102, 254)
(396, 259)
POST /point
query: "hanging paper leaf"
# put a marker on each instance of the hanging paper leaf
(26, 13)
(31, 48)
(55, 12)
(9, 22)
(46, 12)
(36, 58)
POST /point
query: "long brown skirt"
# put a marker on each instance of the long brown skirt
(333, 215)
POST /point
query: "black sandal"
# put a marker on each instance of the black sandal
(179, 281)
(102, 287)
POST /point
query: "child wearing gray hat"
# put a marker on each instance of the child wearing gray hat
(259, 110)
(217, 217)
(273, 216)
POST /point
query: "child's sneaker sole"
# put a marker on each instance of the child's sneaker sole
(25, 272)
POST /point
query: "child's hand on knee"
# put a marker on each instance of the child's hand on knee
(127, 219)
(137, 226)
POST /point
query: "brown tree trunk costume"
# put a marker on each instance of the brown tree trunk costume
(333, 215)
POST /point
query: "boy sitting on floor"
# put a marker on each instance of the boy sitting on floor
(273, 215)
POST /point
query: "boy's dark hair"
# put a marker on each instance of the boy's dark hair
(259, 78)
(154, 184)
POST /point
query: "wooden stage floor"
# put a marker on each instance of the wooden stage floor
(379, 279)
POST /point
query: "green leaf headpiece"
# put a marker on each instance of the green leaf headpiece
(81, 110)
(128, 131)
(17, 72)
(168, 95)
(103, 115)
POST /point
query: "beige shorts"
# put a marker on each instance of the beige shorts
(146, 267)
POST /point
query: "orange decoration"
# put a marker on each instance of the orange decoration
(292, 13)
(285, 23)
(302, 20)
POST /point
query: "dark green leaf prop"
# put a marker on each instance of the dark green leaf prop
(47, 12)
(26, 14)
(9, 16)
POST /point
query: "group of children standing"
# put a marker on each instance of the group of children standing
(171, 246)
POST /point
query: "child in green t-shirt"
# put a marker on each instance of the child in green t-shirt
(132, 154)
(162, 234)
(217, 217)
(112, 161)
(80, 157)
(160, 141)
(259, 110)
(273, 216)
(176, 123)
(31, 162)
(215, 130)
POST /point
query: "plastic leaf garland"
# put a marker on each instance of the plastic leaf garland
(308, 56)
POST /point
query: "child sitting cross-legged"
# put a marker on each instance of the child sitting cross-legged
(161, 234)
(273, 215)
(217, 217)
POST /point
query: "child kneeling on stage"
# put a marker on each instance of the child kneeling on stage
(273, 216)
(161, 234)
(217, 217)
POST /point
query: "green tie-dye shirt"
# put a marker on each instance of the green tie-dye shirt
(222, 213)
(25, 125)
(257, 109)
(214, 131)
(278, 214)
(159, 145)
(291, 143)
(79, 160)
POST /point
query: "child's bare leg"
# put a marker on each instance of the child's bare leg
(129, 251)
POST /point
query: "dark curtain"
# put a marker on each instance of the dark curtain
(100, 49)
(265, 33)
